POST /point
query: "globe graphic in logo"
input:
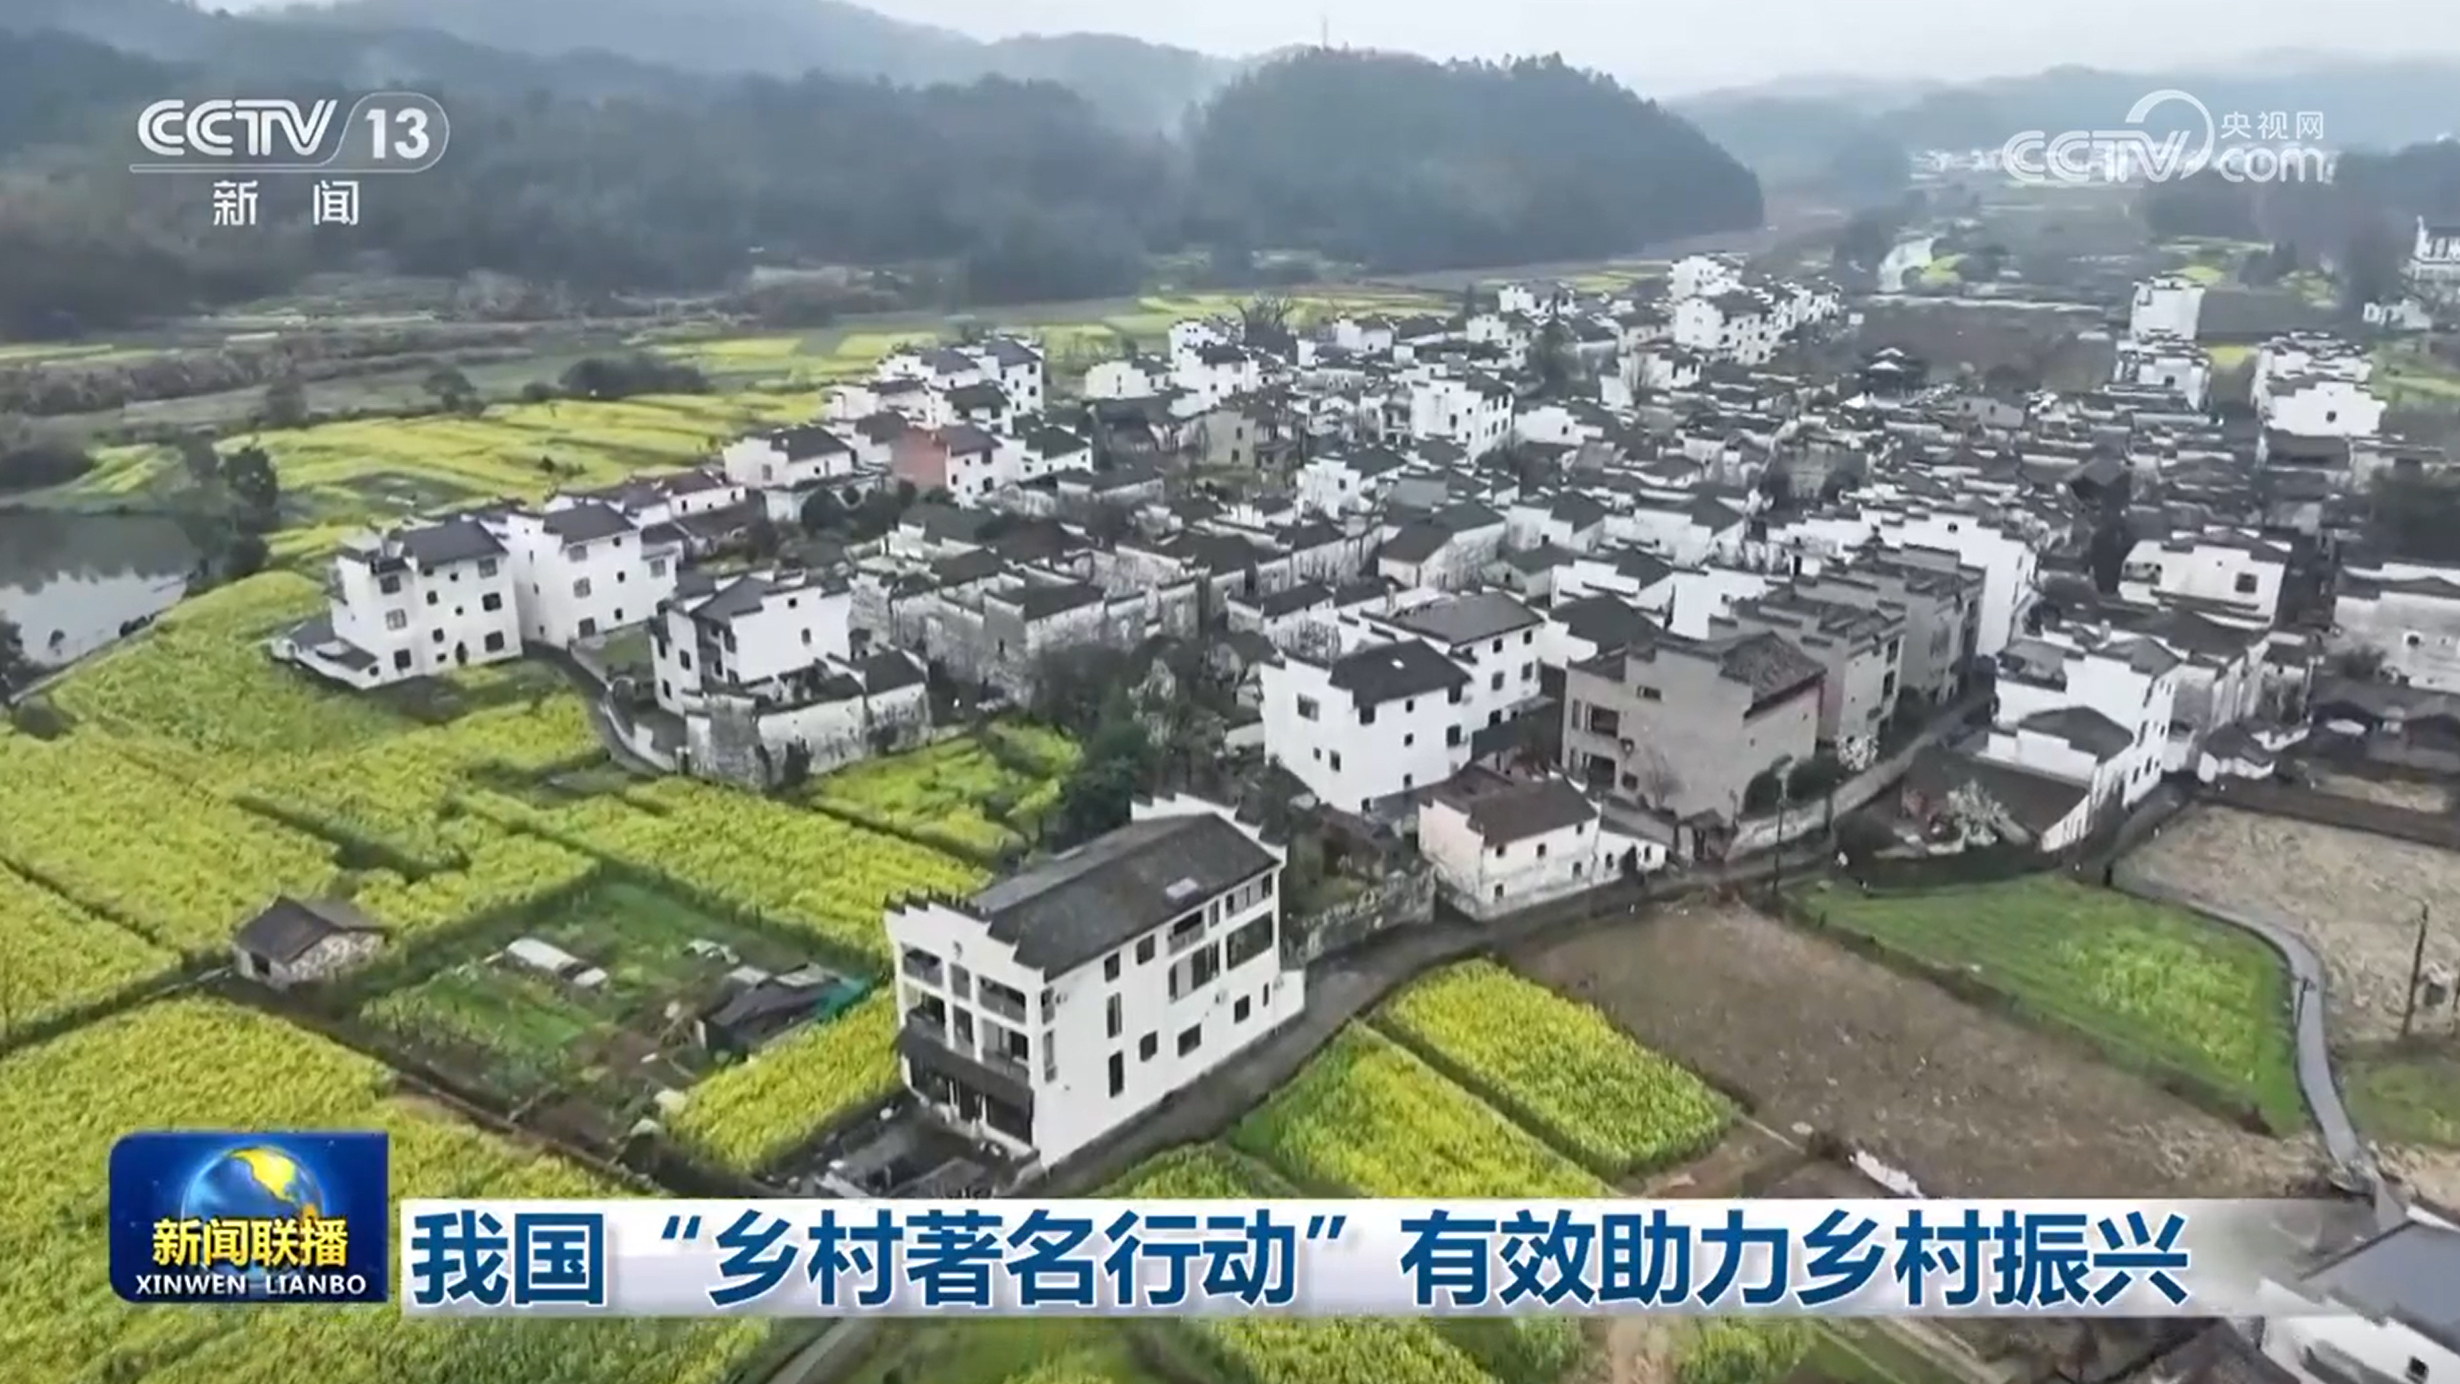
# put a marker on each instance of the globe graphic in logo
(249, 1184)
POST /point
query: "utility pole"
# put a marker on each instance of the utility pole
(2417, 965)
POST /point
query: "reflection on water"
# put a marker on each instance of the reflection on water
(69, 581)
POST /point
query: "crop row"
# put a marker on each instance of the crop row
(1559, 1068)
(956, 794)
(63, 1103)
(755, 1112)
(176, 863)
(2153, 985)
(1369, 1118)
(61, 958)
(507, 875)
(749, 856)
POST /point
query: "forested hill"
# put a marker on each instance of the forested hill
(1408, 164)
(1000, 191)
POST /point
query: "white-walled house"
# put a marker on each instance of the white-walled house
(1473, 411)
(746, 630)
(786, 464)
(1060, 1004)
(2409, 612)
(1382, 720)
(1138, 377)
(2241, 571)
(411, 602)
(1500, 844)
(1696, 276)
(582, 569)
(2129, 684)
(1338, 483)
(1736, 325)
(2168, 306)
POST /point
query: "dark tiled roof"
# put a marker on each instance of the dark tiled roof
(810, 440)
(1042, 602)
(1075, 907)
(2038, 802)
(450, 541)
(288, 928)
(1054, 442)
(1605, 622)
(1502, 811)
(2409, 1274)
(965, 437)
(1467, 515)
(979, 395)
(1768, 665)
(1293, 600)
(2081, 726)
(1578, 510)
(1415, 542)
(888, 671)
(884, 426)
(1467, 618)
(585, 523)
(1390, 672)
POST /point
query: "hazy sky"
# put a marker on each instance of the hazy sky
(1669, 48)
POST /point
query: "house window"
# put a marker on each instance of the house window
(1366, 716)
(436, 636)
(1240, 1010)
(2245, 585)
(397, 619)
(1336, 761)
(1308, 709)
(493, 600)
(1118, 1072)
(495, 642)
(1191, 1040)
(580, 586)
(431, 598)
(1495, 684)
(391, 586)
(1452, 735)
(657, 567)
(1409, 739)
(1110, 966)
(486, 567)
(1147, 1046)
(1113, 1019)
(401, 661)
(1144, 951)
(1528, 671)
(1541, 850)
(1650, 694)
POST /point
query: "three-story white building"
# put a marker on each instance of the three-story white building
(1057, 1005)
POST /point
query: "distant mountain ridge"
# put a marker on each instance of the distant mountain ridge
(1785, 130)
(1140, 85)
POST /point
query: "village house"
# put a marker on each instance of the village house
(2239, 571)
(411, 602)
(1858, 649)
(2409, 614)
(1499, 844)
(1941, 604)
(1374, 723)
(784, 466)
(582, 569)
(1063, 1003)
(2170, 306)
(1684, 725)
(301, 941)
(2048, 683)
(1340, 483)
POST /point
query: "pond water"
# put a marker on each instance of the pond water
(69, 581)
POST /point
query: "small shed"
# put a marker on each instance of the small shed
(296, 941)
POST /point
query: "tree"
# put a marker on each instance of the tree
(1861, 836)
(285, 404)
(1763, 792)
(762, 539)
(255, 487)
(245, 557)
(822, 511)
(15, 669)
(1550, 358)
(452, 389)
(1814, 777)
(1100, 794)
(2373, 265)
(199, 459)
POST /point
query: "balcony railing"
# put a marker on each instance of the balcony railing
(1004, 1005)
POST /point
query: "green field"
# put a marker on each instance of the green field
(2406, 374)
(2406, 1098)
(2157, 988)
